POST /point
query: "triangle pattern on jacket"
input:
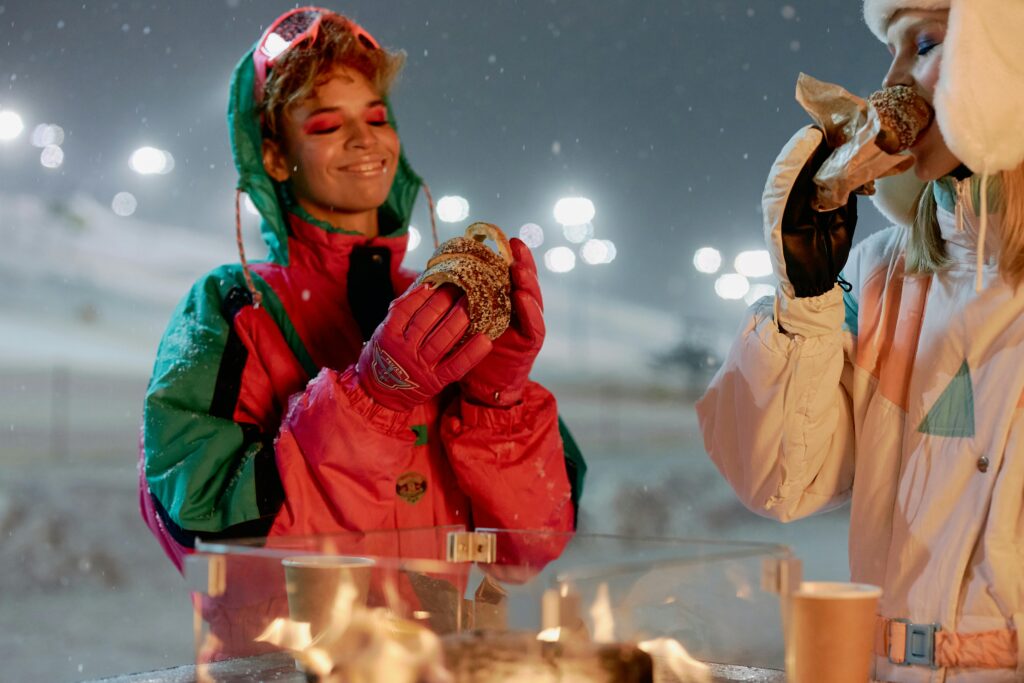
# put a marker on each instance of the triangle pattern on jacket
(953, 413)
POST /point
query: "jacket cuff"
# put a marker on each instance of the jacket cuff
(812, 316)
(380, 418)
(491, 417)
(507, 421)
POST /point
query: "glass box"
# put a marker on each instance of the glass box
(448, 604)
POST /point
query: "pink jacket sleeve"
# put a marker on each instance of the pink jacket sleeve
(510, 462)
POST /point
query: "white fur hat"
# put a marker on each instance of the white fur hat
(877, 13)
(979, 99)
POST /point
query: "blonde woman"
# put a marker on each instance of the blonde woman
(892, 375)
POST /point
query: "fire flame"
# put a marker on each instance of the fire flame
(673, 663)
(550, 635)
(362, 645)
(601, 613)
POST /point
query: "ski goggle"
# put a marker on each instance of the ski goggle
(293, 28)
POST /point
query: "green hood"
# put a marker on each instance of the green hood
(270, 197)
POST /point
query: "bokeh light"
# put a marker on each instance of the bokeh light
(597, 252)
(732, 286)
(150, 160)
(532, 235)
(11, 125)
(755, 263)
(414, 239)
(52, 156)
(559, 260)
(758, 291)
(452, 208)
(250, 207)
(124, 204)
(46, 134)
(574, 210)
(578, 233)
(707, 260)
(610, 251)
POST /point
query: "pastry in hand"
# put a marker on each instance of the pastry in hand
(480, 272)
(904, 115)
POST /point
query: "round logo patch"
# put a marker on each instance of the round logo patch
(411, 486)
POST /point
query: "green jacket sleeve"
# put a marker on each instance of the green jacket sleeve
(203, 468)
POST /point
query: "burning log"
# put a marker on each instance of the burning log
(518, 656)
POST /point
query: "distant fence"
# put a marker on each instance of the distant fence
(63, 412)
(60, 412)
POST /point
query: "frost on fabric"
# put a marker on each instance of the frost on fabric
(185, 339)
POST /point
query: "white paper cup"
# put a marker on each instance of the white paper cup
(312, 582)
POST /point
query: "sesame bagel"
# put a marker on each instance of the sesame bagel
(480, 272)
(904, 115)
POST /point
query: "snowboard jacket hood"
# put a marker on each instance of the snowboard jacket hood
(272, 198)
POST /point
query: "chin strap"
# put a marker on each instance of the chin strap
(257, 298)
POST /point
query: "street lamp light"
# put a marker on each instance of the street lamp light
(707, 260)
(732, 286)
(560, 260)
(52, 156)
(574, 211)
(414, 239)
(150, 161)
(758, 291)
(754, 263)
(124, 204)
(532, 235)
(452, 208)
(11, 125)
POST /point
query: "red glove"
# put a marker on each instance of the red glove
(500, 378)
(415, 352)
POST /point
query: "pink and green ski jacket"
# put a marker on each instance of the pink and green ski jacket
(255, 425)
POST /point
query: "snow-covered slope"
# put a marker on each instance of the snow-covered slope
(86, 288)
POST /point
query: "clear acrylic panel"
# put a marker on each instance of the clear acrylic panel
(398, 605)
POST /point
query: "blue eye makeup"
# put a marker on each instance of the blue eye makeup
(926, 44)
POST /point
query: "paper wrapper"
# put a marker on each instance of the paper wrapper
(851, 128)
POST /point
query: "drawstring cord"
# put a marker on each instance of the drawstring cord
(256, 296)
(959, 209)
(961, 199)
(433, 221)
(984, 227)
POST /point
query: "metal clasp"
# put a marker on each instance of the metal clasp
(472, 546)
(919, 648)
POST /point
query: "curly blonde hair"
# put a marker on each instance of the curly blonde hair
(302, 68)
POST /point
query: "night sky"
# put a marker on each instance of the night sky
(666, 114)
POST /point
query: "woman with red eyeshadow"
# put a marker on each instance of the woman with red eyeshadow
(269, 411)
